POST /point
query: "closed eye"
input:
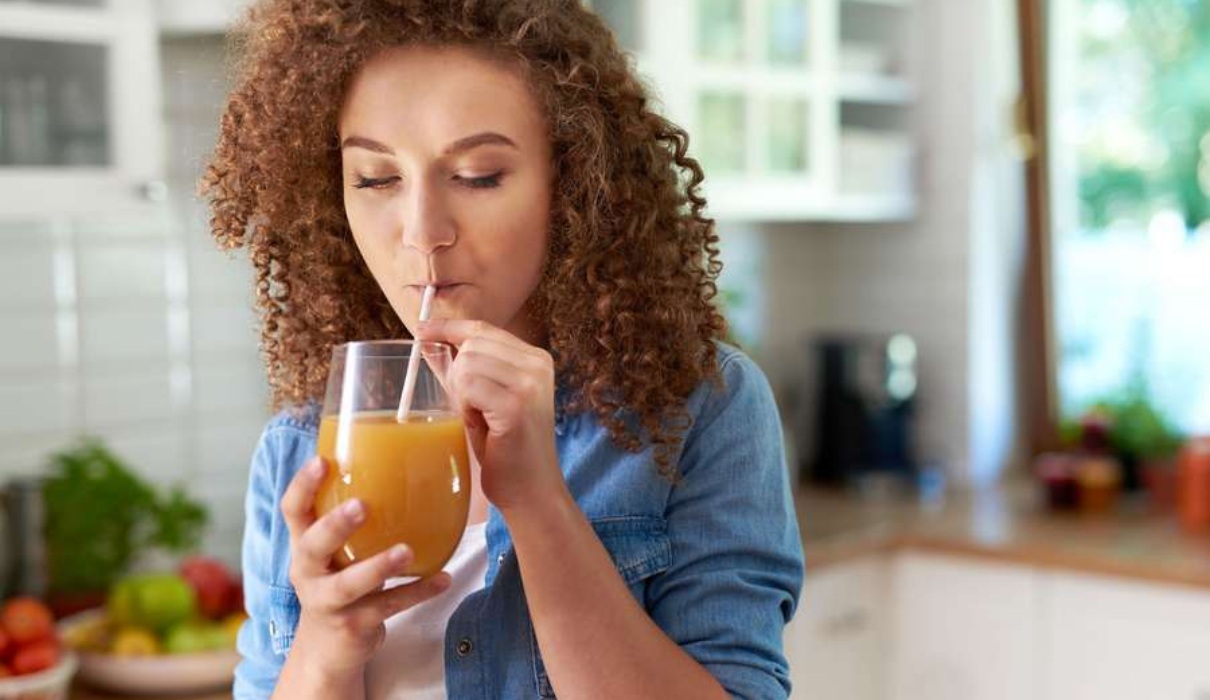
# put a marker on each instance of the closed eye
(480, 183)
(375, 183)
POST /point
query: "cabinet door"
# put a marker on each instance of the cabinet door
(1119, 640)
(962, 629)
(836, 642)
(80, 123)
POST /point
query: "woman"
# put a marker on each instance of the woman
(631, 531)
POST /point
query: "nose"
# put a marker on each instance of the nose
(428, 223)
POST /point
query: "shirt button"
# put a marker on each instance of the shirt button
(465, 646)
(500, 559)
(272, 628)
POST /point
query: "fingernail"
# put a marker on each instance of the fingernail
(316, 468)
(442, 581)
(353, 509)
(399, 554)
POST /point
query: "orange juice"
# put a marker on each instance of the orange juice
(413, 477)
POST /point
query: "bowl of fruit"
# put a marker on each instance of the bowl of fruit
(33, 663)
(169, 632)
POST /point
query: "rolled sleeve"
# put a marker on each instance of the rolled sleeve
(737, 564)
(265, 563)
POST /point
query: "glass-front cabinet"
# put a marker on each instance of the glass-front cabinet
(80, 127)
(797, 109)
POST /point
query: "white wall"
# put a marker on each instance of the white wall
(948, 278)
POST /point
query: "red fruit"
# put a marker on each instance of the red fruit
(236, 600)
(211, 581)
(38, 656)
(26, 620)
(6, 645)
(4, 671)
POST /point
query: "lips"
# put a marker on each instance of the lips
(442, 287)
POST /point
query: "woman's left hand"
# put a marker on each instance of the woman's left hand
(505, 389)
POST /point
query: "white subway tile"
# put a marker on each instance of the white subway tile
(27, 276)
(144, 224)
(224, 449)
(124, 335)
(225, 330)
(127, 397)
(26, 407)
(156, 452)
(115, 271)
(229, 387)
(216, 275)
(30, 341)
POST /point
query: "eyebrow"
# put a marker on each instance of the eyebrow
(466, 143)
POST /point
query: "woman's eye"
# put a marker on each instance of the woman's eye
(480, 183)
(375, 183)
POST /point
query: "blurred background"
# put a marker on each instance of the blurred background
(967, 241)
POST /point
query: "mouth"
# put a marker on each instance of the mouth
(442, 288)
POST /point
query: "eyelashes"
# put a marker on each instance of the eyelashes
(484, 182)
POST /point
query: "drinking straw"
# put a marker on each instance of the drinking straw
(409, 379)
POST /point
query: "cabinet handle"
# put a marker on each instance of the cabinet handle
(850, 622)
(155, 191)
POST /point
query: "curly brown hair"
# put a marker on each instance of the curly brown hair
(627, 295)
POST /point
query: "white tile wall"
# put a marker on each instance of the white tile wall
(27, 275)
(31, 406)
(125, 336)
(129, 399)
(117, 271)
(167, 372)
(228, 387)
(30, 342)
(224, 329)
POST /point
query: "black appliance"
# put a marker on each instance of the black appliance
(859, 410)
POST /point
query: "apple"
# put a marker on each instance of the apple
(212, 582)
(155, 601)
(237, 597)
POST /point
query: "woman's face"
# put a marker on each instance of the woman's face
(447, 181)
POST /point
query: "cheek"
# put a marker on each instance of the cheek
(371, 237)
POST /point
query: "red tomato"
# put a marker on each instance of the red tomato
(6, 645)
(38, 656)
(26, 620)
(4, 671)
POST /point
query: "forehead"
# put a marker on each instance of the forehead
(411, 95)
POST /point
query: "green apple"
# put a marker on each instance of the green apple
(156, 601)
(195, 636)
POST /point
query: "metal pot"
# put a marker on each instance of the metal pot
(23, 558)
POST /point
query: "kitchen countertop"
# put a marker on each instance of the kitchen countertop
(1007, 524)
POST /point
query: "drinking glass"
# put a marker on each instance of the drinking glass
(413, 475)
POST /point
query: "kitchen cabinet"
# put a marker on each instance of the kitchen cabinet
(963, 629)
(80, 128)
(186, 17)
(836, 643)
(1117, 640)
(797, 109)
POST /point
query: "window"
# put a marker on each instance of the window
(1130, 228)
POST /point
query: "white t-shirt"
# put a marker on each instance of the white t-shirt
(411, 663)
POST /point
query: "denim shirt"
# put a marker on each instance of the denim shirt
(716, 560)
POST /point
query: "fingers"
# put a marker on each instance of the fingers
(390, 602)
(319, 542)
(298, 502)
(366, 577)
(458, 331)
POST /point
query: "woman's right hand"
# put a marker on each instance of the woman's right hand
(343, 612)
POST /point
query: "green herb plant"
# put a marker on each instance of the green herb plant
(100, 515)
